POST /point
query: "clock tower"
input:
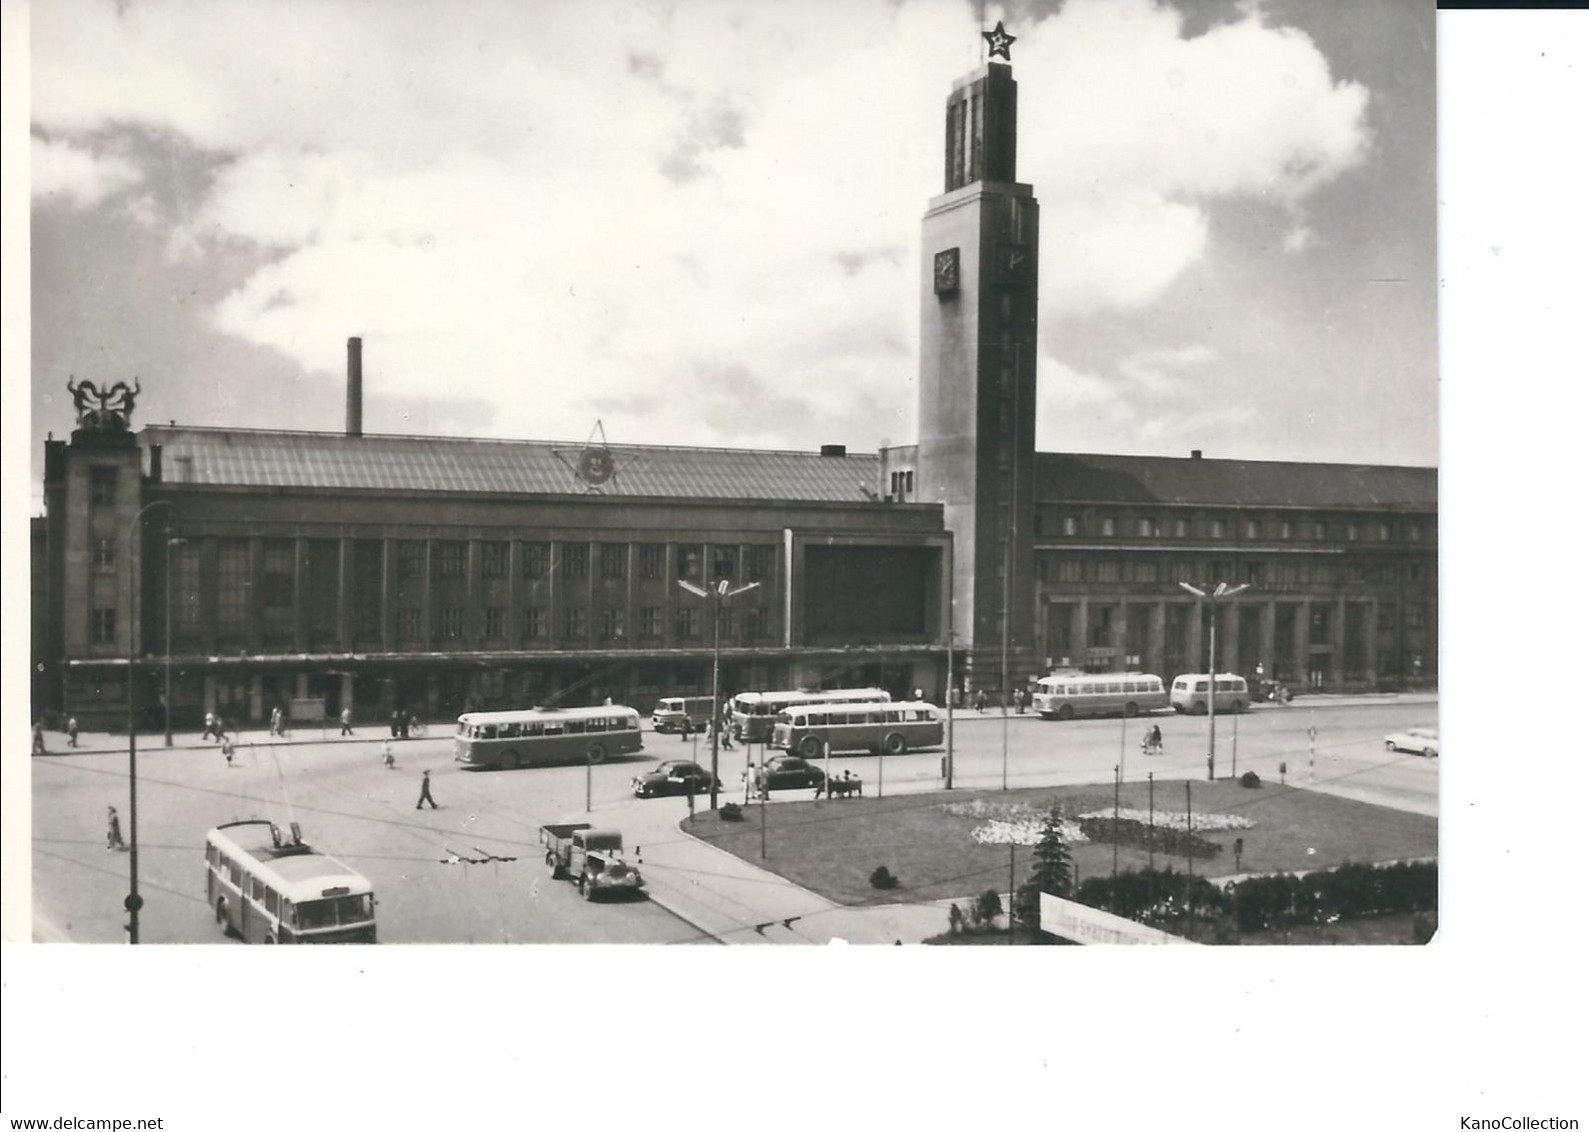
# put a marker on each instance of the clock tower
(977, 418)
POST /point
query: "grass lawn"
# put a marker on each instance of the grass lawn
(832, 846)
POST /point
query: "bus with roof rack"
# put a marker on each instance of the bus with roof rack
(267, 887)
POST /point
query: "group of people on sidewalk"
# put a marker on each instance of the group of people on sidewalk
(1019, 697)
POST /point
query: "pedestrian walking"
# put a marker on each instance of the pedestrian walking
(1156, 740)
(228, 748)
(982, 699)
(386, 755)
(347, 721)
(395, 724)
(275, 722)
(821, 784)
(71, 732)
(113, 830)
(1020, 701)
(405, 723)
(210, 727)
(424, 793)
(38, 737)
(684, 731)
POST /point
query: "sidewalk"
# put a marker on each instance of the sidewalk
(105, 743)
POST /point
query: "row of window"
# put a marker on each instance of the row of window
(1052, 522)
(1055, 569)
(540, 559)
(536, 623)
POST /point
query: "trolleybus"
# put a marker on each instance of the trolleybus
(892, 728)
(267, 888)
(543, 736)
(754, 713)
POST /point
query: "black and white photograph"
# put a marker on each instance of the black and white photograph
(905, 474)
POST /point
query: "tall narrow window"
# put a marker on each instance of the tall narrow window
(536, 558)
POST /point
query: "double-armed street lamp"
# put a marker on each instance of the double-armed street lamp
(134, 902)
(720, 592)
(1213, 596)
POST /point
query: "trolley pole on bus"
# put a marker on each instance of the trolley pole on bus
(719, 593)
(1213, 598)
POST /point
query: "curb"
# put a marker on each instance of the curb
(145, 747)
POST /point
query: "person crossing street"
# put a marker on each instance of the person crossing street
(424, 793)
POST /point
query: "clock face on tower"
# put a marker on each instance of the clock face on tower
(946, 272)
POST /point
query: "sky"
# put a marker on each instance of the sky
(699, 222)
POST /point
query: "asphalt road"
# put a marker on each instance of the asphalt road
(348, 804)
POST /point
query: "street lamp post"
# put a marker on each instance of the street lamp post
(1212, 597)
(170, 542)
(718, 594)
(134, 902)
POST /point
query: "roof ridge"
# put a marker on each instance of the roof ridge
(519, 441)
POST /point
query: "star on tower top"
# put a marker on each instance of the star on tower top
(999, 41)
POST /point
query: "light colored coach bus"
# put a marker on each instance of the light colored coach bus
(1102, 693)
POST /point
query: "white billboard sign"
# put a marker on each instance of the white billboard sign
(1082, 924)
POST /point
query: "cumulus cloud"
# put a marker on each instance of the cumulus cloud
(76, 176)
(1144, 129)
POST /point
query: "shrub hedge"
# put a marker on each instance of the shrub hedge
(1158, 896)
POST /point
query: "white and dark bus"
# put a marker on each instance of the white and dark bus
(1102, 693)
(545, 736)
(754, 713)
(267, 888)
(892, 728)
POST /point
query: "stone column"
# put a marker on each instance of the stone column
(1304, 634)
(1153, 660)
(1266, 639)
(515, 610)
(1338, 642)
(388, 587)
(300, 554)
(427, 628)
(256, 578)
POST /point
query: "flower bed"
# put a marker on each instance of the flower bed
(1177, 819)
(1159, 838)
(1018, 823)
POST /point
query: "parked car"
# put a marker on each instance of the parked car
(787, 772)
(674, 776)
(1423, 741)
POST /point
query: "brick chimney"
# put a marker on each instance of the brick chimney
(355, 387)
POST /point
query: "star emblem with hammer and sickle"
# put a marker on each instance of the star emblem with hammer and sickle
(999, 41)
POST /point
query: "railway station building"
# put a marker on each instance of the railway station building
(319, 571)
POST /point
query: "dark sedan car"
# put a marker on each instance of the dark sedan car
(674, 776)
(788, 773)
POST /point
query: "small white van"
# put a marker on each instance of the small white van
(1189, 693)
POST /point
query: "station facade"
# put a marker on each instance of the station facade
(322, 571)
